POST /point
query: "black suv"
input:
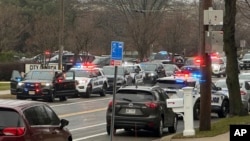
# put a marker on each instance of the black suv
(153, 71)
(141, 107)
(45, 84)
(245, 61)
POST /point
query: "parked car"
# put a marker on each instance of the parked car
(31, 120)
(141, 107)
(153, 71)
(46, 84)
(90, 81)
(244, 90)
(171, 69)
(245, 61)
(123, 77)
(218, 67)
(136, 73)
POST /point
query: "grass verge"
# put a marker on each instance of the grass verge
(7, 96)
(4, 86)
(219, 127)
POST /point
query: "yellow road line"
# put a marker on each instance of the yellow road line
(80, 113)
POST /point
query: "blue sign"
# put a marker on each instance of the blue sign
(117, 50)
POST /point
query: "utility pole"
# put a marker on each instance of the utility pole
(61, 35)
(205, 89)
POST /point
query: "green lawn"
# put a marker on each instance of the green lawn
(4, 86)
(217, 128)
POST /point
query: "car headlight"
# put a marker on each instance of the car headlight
(46, 84)
(82, 81)
(151, 74)
(20, 84)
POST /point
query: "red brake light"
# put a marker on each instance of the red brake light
(13, 131)
(151, 105)
(243, 93)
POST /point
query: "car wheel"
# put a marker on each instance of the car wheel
(33, 99)
(103, 91)
(173, 129)
(159, 130)
(52, 97)
(63, 98)
(108, 130)
(224, 110)
(19, 97)
(196, 110)
(89, 91)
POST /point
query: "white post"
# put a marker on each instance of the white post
(188, 112)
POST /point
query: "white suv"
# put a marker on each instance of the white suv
(173, 88)
(90, 81)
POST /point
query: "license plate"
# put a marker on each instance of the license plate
(32, 92)
(130, 111)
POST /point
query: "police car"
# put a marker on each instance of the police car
(173, 87)
(90, 81)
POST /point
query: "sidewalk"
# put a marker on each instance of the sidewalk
(222, 137)
(4, 92)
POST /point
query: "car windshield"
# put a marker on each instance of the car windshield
(132, 69)
(149, 67)
(244, 76)
(134, 96)
(221, 84)
(10, 118)
(246, 56)
(174, 84)
(169, 67)
(111, 70)
(217, 61)
(82, 73)
(99, 60)
(40, 75)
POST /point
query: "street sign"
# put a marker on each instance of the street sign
(117, 50)
(213, 17)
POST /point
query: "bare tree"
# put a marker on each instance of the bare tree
(141, 20)
(236, 107)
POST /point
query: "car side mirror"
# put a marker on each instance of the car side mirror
(64, 123)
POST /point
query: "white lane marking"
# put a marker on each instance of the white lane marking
(87, 127)
(78, 102)
(95, 135)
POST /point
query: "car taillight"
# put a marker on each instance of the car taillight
(13, 131)
(151, 105)
(111, 103)
(243, 93)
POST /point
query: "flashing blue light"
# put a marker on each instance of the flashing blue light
(196, 75)
(179, 81)
(78, 65)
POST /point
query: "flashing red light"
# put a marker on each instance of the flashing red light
(88, 65)
(47, 53)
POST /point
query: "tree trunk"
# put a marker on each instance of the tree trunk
(236, 107)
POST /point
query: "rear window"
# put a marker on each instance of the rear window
(10, 118)
(135, 96)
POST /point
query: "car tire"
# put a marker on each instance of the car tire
(89, 91)
(159, 130)
(51, 97)
(33, 99)
(196, 110)
(104, 89)
(224, 110)
(63, 98)
(108, 130)
(173, 129)
(19, 97)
